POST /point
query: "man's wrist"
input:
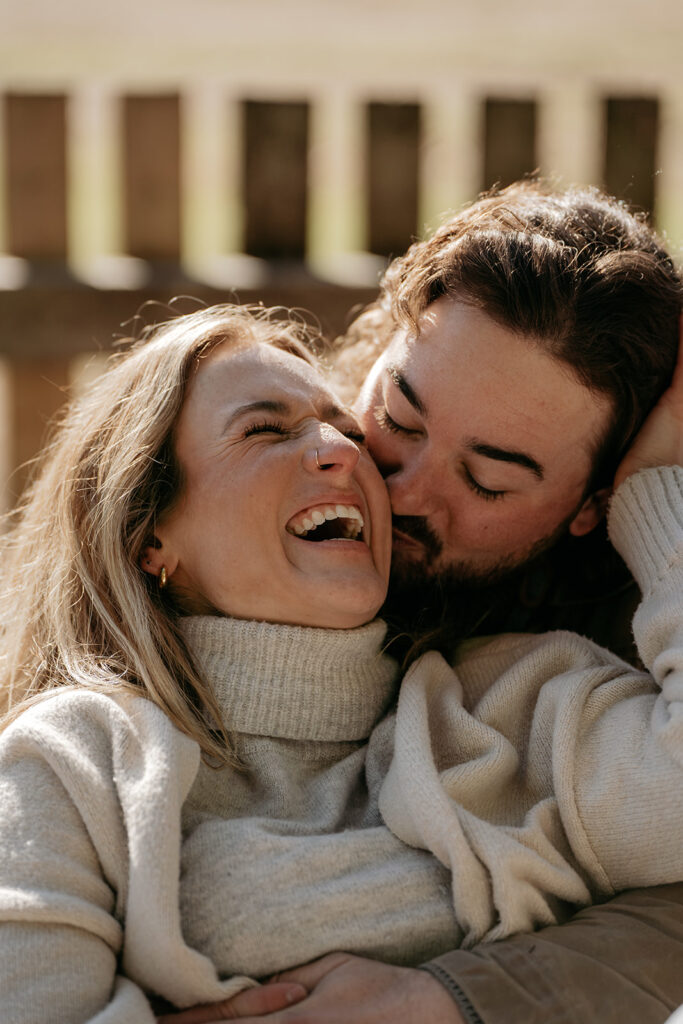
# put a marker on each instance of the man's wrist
(467, 1011)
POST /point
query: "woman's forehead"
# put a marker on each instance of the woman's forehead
(233, 375)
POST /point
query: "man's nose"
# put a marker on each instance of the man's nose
(413, 487)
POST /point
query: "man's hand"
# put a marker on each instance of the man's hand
(348, 989)
(659, 441)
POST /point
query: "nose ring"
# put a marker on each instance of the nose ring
(317, 460)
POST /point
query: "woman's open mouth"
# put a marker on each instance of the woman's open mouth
(328, 522)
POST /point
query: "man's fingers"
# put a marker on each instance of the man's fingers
(252, 1002)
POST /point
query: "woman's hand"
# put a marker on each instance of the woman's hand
(346, 989)
(253, 1001)
(659, 441)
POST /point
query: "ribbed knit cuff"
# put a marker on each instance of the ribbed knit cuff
(646, 522)
(467, 1010)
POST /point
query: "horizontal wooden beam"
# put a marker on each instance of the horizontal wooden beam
(64, 322)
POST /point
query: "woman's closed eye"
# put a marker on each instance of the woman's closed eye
(266, 427)
(354, 433)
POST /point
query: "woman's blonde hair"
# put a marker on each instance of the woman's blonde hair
(75, 608)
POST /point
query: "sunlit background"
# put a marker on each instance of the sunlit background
(283, 149)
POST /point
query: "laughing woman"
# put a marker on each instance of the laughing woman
(200, 728)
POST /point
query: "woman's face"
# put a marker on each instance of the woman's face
(265, 528)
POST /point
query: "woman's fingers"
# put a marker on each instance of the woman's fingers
(252, 1002)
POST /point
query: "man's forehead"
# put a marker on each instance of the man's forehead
(531, 422)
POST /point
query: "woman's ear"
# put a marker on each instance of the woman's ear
(590, 513)
(154, 557)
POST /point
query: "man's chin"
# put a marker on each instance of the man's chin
(433, 607)
(409, 572)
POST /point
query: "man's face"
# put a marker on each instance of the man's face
(486, 444)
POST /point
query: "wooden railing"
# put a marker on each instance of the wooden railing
(307, 215)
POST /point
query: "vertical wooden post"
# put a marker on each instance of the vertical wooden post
(336, 221)
(570, 133)
(670, 147)
(451, 152)
(95, 175)
(210, 177)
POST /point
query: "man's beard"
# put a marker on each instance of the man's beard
(428, 606)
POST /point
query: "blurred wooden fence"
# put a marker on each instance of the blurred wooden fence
(49, 315)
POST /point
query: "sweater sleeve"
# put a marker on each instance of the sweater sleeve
(91, 791)
(611, 961)
(544, 771)
(59, 935)
(628, 785)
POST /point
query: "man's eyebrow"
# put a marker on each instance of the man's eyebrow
(490, 451)
(407, 390)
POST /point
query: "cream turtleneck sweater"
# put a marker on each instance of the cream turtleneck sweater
(117, 843)
(536, 771)
(281, 862)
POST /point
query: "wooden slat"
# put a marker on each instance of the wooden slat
(34, 323)
(151, 126)
(275, 175)
(630, 160)
(35, 128)
(509, 141)
(392, 168)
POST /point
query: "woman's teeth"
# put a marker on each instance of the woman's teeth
(351, 521)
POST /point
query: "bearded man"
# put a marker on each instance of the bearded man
(504, 370)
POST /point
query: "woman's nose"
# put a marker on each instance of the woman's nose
(331, 452)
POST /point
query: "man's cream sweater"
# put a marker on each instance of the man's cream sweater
(538, 771)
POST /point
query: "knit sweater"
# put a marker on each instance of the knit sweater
(539, 770)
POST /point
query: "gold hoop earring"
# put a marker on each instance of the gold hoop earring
(317, 460)
(163, 578)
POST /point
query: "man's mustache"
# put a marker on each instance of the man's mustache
(419, 529)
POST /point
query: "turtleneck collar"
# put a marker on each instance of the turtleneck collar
(294, 682)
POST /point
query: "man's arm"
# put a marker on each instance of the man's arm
(619, 960)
